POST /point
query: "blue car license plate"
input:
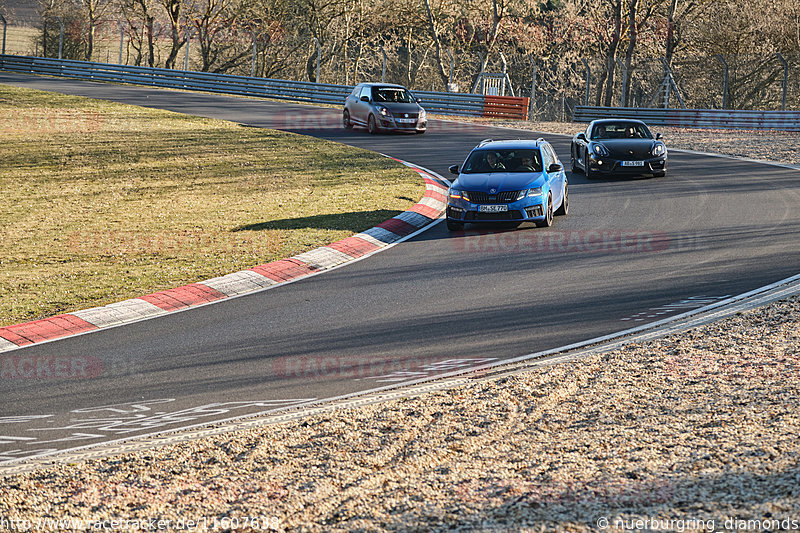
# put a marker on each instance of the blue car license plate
(492, 208)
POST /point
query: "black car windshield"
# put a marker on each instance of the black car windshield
(487, 161)
(391, 94)
(620, 130)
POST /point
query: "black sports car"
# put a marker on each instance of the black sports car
(618, 146)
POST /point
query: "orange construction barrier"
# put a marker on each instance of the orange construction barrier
(511, 107)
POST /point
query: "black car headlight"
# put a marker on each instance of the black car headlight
(658, 150)
(601, 150)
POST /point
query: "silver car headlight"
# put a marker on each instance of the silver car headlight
(422, 114)
(384, 111)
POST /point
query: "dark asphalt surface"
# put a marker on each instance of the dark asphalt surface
(629, 247)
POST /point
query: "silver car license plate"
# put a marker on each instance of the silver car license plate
(493, 208)
(633, 163)
(406, 120)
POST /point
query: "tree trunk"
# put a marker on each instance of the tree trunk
(611, 54)
(633, 7)
(672, 40)
(173, 8)
(437, 45)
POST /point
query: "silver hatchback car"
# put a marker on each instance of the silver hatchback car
(384, 107)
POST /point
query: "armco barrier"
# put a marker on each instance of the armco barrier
(317, 93)
(697, 118)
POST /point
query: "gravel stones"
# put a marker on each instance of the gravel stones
(693, 431)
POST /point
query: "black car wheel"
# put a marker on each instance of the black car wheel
(563, 209)
(573, 153)
(590, 174)
(346, 120)
(548, 215)
(452, 225)
(372, 126)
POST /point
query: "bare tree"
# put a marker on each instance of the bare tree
(173, 9)
(95, 10)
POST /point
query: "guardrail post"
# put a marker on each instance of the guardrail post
(452, 68)
(60, 36)
(186, 57)
(588, 81)
(121, 40)
(383, 67)
(724, 81)
(532, 103)
(4, 32)
(623, 101)
(785, 80)
(253, 66)
(319, 56)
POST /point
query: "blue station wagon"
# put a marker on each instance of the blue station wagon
(509, 182)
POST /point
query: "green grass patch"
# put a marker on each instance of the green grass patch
(102, 202)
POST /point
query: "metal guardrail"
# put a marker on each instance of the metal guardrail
(697, 118)
(296, 91)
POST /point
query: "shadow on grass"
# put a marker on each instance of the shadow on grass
(356, 221)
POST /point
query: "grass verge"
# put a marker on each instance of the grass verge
(104, 202)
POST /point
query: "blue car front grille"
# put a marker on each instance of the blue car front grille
(480, 197)
(477, 216)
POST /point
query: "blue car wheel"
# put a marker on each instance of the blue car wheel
(548, 215)
(452, 225)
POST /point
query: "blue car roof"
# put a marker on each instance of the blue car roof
(511, 144)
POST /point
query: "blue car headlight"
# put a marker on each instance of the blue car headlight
(458, 195)
(601, 150)
(531, 193)
(658, 150)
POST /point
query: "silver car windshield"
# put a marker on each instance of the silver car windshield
(488, 161)
(391, 94)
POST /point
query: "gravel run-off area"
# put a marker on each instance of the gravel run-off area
(698, 431)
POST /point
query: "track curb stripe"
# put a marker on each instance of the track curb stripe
(119, 313)
(429, 209)
(354, 246)
(45, 329)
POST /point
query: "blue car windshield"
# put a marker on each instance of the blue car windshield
(391, 94)
(488, 161)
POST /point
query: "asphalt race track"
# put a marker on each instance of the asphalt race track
(630, 252)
